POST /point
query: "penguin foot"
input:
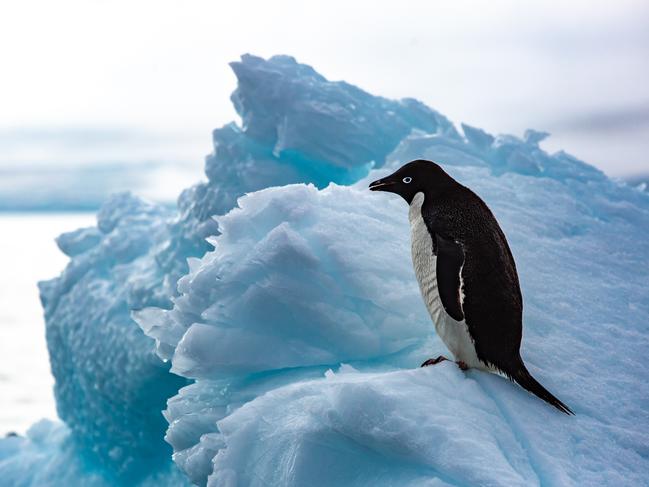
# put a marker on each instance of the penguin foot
(433, 361)
(462, 365)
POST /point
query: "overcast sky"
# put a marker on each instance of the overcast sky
(88, 81)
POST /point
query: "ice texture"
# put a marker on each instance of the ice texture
(48, 456)
(293, 284)
(109, 384)
(254, 325)
(300, 325)
(110, 387)
(297, 127)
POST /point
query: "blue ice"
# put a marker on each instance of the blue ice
(293, 336)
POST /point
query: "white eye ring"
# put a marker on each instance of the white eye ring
(407, 179)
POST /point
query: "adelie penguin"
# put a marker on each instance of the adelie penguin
(466, 273)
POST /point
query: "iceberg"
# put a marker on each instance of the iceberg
(48, 455)
(110, 387)
(293, 253)
(275, 318)
(297, 127)
(254, 327)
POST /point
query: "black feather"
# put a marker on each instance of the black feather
(526, 381)
(450, 259)
(470, 241)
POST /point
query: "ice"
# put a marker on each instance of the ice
(410, 427)
(110, 387)
(297, 127)
(47, 456)
(301, 326)
(257, 308)
(503, 153)
(329, 131)
(294, 284)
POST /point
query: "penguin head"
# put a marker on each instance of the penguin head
(414, 177)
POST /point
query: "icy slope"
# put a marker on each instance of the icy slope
(110, 386)
(303, 280)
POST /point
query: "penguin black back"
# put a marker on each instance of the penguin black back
(476, 275)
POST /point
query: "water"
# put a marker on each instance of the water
(28, 254)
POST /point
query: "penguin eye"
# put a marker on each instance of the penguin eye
(407, 179)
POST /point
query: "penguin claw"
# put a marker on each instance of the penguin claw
(433, 361)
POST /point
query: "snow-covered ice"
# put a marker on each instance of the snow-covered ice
(301, 325)
(110, 387)
(294, 283)
(260, 304)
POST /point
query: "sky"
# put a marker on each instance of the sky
(90, 82)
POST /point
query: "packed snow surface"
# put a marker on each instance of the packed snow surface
(110, 386)
(257, 313)
(301, 326)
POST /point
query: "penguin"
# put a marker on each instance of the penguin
(466, 273)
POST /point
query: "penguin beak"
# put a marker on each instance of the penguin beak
(381, 184)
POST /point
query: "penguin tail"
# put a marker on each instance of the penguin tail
(523, 378)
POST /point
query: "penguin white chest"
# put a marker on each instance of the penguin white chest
(454, 334)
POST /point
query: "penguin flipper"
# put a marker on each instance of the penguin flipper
(450, 259)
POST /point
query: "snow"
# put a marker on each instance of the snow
(258, 305)
(293, 284)
(301, 325)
